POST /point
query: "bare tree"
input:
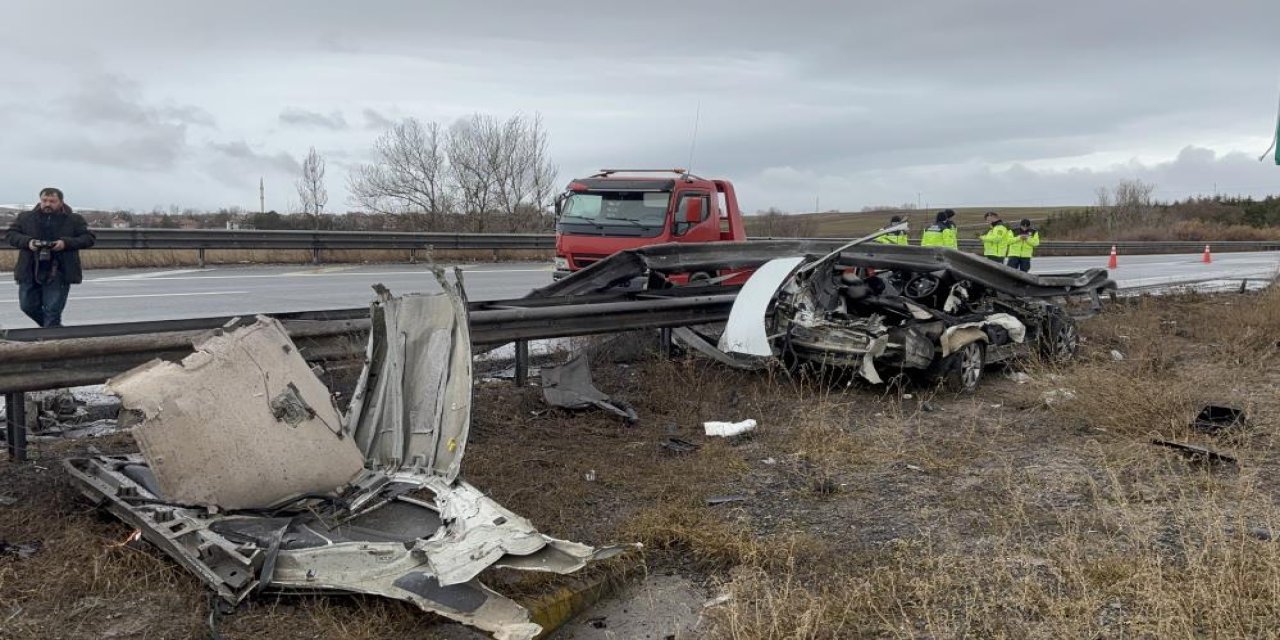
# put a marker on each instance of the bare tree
(409, 174)
(474, 148)
(1127, 203)
(525, 176)
(311, 189)
(482, 172)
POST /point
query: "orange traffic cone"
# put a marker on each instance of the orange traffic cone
(1111, 264)
(1207, 259)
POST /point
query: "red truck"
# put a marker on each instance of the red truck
(606, 213)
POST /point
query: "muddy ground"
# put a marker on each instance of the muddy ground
(1037, 509)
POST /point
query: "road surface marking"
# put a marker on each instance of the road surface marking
(149, 295)
(321, 271)
(424, 272)
(148, 276)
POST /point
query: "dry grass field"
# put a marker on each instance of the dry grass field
(869, 512)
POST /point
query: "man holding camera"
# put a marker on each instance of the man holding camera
(49, 239)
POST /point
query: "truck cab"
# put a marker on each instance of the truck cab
(619, 209)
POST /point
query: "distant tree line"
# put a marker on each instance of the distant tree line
(774, 223)
(1127, 211)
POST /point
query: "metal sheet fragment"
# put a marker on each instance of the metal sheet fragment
(569, 386)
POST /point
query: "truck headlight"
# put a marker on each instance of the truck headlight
(562, 263)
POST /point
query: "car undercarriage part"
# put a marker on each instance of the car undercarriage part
(400, 524)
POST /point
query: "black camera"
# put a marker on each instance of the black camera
(43, 249)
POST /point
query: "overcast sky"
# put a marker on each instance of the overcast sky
(142, 104)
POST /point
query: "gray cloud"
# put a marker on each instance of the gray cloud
(982, 101)
(375, 120)
(237, 164)
(296, 116)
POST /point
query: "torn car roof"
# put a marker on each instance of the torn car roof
(240, 423)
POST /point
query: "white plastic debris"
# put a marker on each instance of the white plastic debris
(1117, 356)
(722, 599)
(728, 429)
(769, 461)
(1020, 377)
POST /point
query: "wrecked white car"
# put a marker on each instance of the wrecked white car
(251, 478)
(884, 310)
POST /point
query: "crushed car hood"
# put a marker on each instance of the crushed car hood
(372, 507)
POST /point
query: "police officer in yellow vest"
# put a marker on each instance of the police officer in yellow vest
(1023, 245)
(942, 233)
(995, 242)
(897, 237)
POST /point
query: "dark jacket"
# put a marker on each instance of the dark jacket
(64, 225)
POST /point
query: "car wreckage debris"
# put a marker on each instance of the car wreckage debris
(1215, 418)
(252, 480)
(885, 310)
(678, 446)
(1195, 452)
(569, 386)
(21, 551)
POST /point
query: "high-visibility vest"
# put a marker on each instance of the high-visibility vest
(893, 238)
(1020, 247)
(995, 242)
(939, 235)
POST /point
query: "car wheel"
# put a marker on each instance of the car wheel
(962, 370)
(1063, 339)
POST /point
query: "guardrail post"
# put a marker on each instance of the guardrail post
(413, 256)
(315, 255)
(522, 363)
(200, 258)
(15, 410)
(664, 336)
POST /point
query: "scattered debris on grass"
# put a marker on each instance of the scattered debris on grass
(1195, 452)
(678, 446)
(715, 501)
(21, 550)
(569, 386)
(728, 429)
(1216, 418)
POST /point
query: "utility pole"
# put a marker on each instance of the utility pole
(262, 196)
(917, 199)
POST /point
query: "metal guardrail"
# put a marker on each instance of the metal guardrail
(139, 239)
(37, 359)
(243, 239)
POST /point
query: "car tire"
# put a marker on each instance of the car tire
(1062, 339)
(962, 371)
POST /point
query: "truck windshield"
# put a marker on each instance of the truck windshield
(628, 213)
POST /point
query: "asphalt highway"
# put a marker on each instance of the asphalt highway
(123, 295)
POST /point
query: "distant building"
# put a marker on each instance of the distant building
(119, 223)
(240, 222)
(189, 224)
